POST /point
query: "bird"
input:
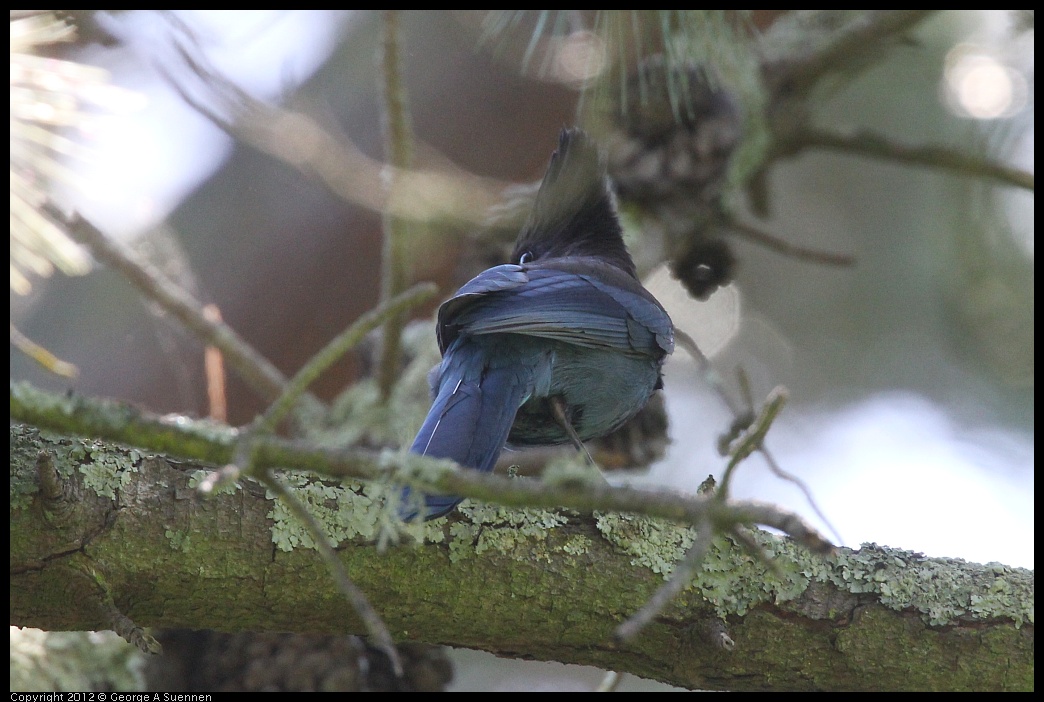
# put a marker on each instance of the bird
(561, 345)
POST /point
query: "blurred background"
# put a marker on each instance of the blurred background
(909, 372)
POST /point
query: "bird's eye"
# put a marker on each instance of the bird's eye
(525, 258)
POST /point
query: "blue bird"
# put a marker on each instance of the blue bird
(562, 344)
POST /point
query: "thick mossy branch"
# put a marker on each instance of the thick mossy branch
(217, 444)
(546, 584)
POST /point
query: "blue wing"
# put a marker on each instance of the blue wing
(580, 301)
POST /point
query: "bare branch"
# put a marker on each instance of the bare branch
(801, 73)
(339, 346)
(254, 368)
(786, 248)
(754, 437)
(299, 141)
(867, 143)
(398, 147)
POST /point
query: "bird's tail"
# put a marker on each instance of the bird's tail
(469, 422)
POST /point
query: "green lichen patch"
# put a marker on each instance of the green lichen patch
(105, 471)
(730, 579)
(943, 590)
(735, 581)
(223, 487)
(503, 530)
(179, 540)
(654, 543)
(577, 545)
(345, 511)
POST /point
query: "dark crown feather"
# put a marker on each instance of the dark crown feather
(574, 213)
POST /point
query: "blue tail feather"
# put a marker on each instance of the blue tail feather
(469, 420)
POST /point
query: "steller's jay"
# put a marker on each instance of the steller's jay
(562, 344)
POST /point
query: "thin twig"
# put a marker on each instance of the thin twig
(334, 161)
(745, 418)
(786, 248)
(41, 355)
(801, 73)
(339, 346)
(254, 368)
(754, 437)
(119, 622)
(745, 540)
(868, 143)
(356, 598)
(214, 371)
(706, 369)
(770, 515)
(137, 636)
(805, 490)
(398, 147)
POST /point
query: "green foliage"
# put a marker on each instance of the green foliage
(73, 661)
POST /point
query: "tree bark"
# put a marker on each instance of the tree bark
(100, 531)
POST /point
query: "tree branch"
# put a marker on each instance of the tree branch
(254, 368)
(549, 585)
(800, 72)
(337, 163)
(867, 143)
(204, 441)
(398, 146)
(786, 248)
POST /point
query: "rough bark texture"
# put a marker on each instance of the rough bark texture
(125, 532)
